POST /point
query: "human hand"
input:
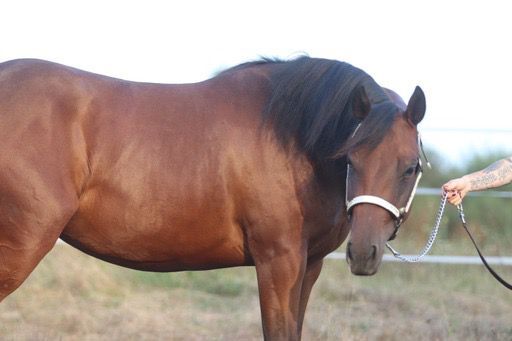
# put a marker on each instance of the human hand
(456, 190)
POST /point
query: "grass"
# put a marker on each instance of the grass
(71, 296)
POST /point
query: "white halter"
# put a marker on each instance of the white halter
(398, 213)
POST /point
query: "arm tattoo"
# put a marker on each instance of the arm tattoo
(497, 174)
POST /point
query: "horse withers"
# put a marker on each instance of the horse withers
(246, 168)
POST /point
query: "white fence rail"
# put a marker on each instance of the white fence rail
(437, 192)
(507, 261)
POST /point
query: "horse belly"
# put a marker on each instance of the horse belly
(154, 238)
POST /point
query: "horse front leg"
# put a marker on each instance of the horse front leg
(30, 224)
(280, 272)
(311, 274)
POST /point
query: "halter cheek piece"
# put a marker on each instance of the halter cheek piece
(398, 213)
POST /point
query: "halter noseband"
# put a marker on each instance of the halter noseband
(398, 213)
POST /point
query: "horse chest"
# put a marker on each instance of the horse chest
(325, 235)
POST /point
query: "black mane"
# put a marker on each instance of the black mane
(311, 104)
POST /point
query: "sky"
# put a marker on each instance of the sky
(459, 52)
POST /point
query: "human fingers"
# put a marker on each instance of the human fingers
(452, 185)
(455, 198)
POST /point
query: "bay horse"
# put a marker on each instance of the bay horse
(248, 168)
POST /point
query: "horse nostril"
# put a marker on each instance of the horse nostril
(349, 253)
(374, 252)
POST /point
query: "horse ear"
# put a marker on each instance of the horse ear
(360, 103)
(416, 107)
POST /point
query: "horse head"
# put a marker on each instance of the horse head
(382, 176)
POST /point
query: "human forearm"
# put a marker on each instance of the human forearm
(497, 174)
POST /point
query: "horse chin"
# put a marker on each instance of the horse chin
(364, 270)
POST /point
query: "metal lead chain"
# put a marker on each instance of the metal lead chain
(431, 238)
(461, 213)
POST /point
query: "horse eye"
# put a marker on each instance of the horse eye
(410, 171)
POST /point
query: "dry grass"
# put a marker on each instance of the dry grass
(71, 296)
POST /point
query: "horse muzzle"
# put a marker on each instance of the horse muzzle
(372, 225)
(364, 261)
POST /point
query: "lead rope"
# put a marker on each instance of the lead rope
(431, 238)
(491, 271)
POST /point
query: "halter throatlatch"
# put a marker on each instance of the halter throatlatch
(397, 213)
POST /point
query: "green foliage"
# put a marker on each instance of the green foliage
(439, 173)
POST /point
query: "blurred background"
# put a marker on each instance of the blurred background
(456, 51)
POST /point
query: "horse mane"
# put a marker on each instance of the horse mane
(311, 104)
